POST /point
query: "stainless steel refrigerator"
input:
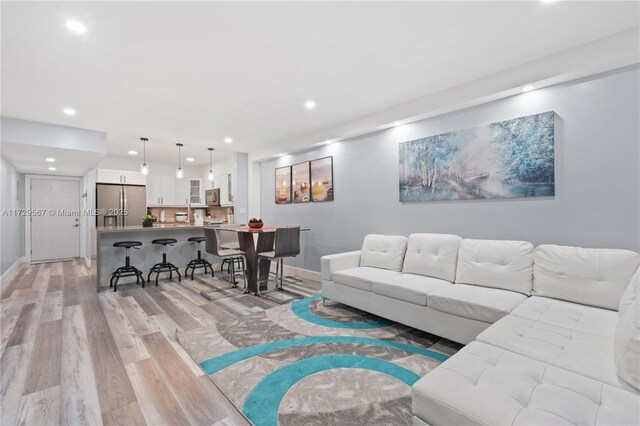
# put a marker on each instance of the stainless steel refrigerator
(120, 205)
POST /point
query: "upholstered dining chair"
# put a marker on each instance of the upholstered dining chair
(229, 240)
(287, 244)
(212, 241)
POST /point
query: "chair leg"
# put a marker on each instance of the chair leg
(233, 274)
(281, 272)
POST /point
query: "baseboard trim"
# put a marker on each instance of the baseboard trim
(304, 274)
(12, 270)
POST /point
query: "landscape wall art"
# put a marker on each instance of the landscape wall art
(505, 159)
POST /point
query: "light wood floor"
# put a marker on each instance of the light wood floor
(73, 356)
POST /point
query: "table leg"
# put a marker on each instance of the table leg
(265, 243)
(245, 239)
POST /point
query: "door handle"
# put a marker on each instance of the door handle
(76, 225)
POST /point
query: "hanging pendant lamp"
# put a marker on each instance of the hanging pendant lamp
(210, 164)
(179, 172)
(144, 168)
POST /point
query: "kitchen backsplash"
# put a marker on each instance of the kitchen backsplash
(220, 213)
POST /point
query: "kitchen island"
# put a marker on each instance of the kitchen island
(109, 258)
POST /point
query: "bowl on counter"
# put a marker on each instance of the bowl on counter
(182, 217)
(256, 225)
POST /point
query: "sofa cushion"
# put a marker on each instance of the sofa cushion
(483, 384)
(473, 302)
(383, 251)
(498, 264)
(630, 294)
(433, 255)
(626, 347)
(361, 277)
(595, 277)
(587, 354)
(569, 315)
(408, 287)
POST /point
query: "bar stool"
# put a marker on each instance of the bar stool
(287, 244)
(164, 266)
(213, 247)
(127, 270)
(199, 262)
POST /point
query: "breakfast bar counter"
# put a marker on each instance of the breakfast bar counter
(109, 258)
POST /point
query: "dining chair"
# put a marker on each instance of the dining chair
(229, 240)
(212, 246)
(287, 244)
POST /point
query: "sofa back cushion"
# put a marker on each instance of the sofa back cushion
(498, 264)
(432, 255)
(595, 277)
(626, 341)
(383, 251)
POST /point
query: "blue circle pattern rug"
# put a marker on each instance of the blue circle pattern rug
(315, 364)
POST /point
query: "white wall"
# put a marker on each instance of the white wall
(11, 226)
(597, 202)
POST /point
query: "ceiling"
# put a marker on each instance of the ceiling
(197, 72)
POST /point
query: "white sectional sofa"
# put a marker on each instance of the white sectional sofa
(552, 333)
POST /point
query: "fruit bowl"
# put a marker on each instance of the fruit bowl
(256, 225)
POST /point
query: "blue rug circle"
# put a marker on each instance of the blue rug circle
(261, 407)
(302, 310)
(213, 365)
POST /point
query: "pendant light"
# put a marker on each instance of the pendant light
(179, 172)
(144, 168)
(211, 164)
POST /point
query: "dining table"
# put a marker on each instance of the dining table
(257, 268)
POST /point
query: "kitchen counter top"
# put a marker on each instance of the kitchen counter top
(155, 227)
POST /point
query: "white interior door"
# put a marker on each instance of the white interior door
(55, 234)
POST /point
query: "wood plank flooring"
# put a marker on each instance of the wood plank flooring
(72, 356)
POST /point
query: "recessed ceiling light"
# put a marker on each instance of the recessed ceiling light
(132, 152)
(310, 104)
(282, 154)
(527, 88)
(53, 169)
(228, 140)
(76, 27)
(51, 160)
(548, 1)
(69, 111)
(189, 159)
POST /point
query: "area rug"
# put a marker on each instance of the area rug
(307, 363)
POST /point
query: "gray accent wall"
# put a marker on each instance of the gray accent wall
(11, 226)
(597, 201)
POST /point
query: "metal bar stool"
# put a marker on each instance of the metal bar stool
(199, 262)
(287, 244)
(213, 247)
(164, 266)
(127, 270)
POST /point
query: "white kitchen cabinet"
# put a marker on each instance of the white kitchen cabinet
(182, 191)
(195, 191)
(161, 191)
(168, 191)
(134, 178)
(109, 176)
(125, 177)
(153, 190)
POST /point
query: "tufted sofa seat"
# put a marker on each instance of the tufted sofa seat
(552, 332)
(485, 384)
